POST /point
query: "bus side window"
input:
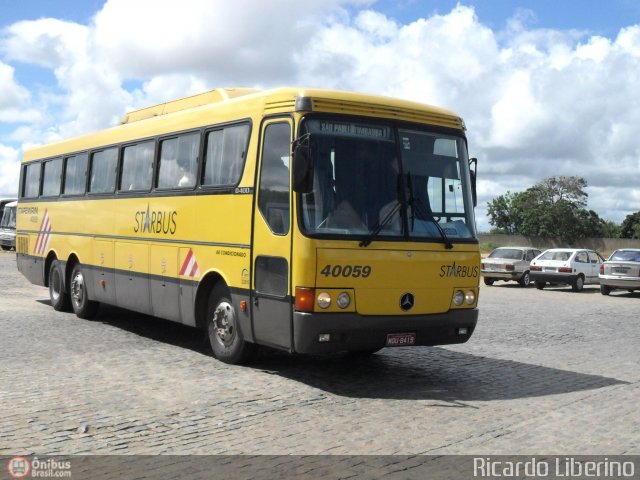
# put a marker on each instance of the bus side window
(75, 174)
(179, 161)
(137, 167)
(51, 178)
(225, 153)
(273, 196)
(103, 171)
(31, 179)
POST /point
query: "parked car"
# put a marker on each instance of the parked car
(508, 263)
(566, 266)
(622, 270)
(8, 227)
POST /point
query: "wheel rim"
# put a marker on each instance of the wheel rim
(224, 323)
(78, 288)
(55, 285)
(525, 280)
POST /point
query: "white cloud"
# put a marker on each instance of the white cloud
(238, 42)
(10, 168)
(11, 94)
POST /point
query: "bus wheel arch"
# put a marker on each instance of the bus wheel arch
(206, 285)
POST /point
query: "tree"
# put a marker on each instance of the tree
(631, 226)
(501, 213)
(553, 207)
(612, 229)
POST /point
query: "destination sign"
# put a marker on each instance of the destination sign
(349, 129)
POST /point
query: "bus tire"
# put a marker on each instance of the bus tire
(60, 300)
(82, 306)
(225, 337)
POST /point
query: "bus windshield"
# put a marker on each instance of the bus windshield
(395, 182)
(9, 217)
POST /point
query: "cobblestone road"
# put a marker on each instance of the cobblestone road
(546, 372)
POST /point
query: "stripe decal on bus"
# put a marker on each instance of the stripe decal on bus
(44, 236)
(190, 265)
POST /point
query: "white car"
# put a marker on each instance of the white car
(508, 263)
(566, 266)
(622, 270)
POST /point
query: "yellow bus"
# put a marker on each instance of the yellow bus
(306, 220)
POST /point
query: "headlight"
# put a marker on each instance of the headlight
(470, 297)
(324, 300)
(343, 300)
(458, 298)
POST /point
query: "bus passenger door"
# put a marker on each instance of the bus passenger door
(271, 257)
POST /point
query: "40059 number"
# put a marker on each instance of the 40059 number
(354, 271)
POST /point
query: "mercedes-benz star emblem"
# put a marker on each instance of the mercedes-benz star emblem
(407, 301)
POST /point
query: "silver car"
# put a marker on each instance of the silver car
(509, 263)
(622, 271)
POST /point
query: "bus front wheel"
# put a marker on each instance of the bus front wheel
(59, 298)
(82, 306)
(224, 334)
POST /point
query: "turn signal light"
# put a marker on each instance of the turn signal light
(305, 298)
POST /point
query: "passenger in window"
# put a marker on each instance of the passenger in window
(187, 179)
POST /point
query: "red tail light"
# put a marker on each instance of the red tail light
(565, 270)
(509, 267)
(601, 269)
(535, 268)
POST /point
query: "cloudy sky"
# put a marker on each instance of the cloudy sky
(546, 87)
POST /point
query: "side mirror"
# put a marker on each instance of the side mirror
(302, 165)
(472, 175)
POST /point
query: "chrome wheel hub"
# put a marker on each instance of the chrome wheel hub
(224, 320)
(77, 288)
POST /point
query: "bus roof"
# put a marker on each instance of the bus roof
(225, 104)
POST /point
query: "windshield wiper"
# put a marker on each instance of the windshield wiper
(380, 225)
(417, 204)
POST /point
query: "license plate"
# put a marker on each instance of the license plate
(401, 339)
(622, 270)
(549, 269)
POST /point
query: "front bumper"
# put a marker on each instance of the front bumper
(353, 332)
(7, 240)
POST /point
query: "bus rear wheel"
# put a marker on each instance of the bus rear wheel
(225, 336)
(58, 297)
(82, 306)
